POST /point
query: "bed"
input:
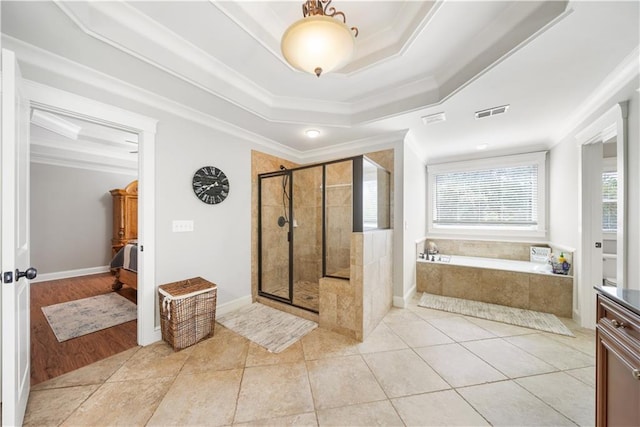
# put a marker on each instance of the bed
(125, 267)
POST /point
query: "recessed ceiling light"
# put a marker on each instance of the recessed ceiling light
(482, 146)
(312, 133)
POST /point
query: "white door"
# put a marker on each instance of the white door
(14, 229)
(591, 230)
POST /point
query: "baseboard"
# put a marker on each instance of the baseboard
(576, 316)
(70, 273)
(403, 301)
(233, 305)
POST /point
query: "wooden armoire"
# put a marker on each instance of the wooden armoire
(125, 216)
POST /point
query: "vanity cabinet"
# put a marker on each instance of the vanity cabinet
(617, 362)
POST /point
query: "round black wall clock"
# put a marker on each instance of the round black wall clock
(210, 185)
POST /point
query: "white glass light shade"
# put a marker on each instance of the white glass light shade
(318, 42)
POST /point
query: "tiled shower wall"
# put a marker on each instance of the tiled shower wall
(307, 214)
(339, 217)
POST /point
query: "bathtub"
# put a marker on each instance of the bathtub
(492, 263)
(519, 284)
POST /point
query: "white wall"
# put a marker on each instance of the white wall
(564, 170)
(415, 218)
(71, 217)
(633, 189)
(219, 248)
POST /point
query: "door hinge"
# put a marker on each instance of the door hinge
(7, 277)
(598, 245)
(141, 248)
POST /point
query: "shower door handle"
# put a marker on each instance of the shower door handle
(288, 236)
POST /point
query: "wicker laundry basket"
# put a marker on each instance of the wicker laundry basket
(187, 311)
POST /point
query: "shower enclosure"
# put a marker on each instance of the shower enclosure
(306, 217)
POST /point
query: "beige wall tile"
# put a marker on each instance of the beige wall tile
(551, 294)
(504, 287)
(461, 282)
(429, 278)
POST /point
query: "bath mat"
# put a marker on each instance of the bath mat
(272, 329)
(499, 313)
(80, 317)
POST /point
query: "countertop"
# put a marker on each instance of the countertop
(629, 298)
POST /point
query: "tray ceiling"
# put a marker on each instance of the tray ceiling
(413, 58)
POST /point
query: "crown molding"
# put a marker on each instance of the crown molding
(64, 67)
(352, 148)
(186, 61)
(71, 159)
(55, 64)
(382, 46)
(412, 143)
(624, 73)
(110, 17)
(420, 18)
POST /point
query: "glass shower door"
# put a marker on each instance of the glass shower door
(307, 236)
(275, 233)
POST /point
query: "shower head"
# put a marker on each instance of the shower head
(282, 168)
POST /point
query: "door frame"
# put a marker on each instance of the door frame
(612, 124)
(55, 100)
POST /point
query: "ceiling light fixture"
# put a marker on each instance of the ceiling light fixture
(319, 42)
(312, 133)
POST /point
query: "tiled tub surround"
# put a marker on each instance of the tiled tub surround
(355, 307)
(545, 292)
(501, 280)
(480, 248)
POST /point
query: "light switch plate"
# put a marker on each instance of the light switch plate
(182, 226)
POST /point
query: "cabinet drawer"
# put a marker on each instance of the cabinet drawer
(619, 322)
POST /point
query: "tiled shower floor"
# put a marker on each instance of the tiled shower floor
(305, 294)
(419, 367)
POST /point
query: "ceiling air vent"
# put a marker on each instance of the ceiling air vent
(434, 118)
(491, 111)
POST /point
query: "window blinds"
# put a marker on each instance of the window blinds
(609, 201)
(495, 197)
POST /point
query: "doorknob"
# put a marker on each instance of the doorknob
(29, 273)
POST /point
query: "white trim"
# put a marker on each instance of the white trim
(562, 248)
(70, 273)
(626, 71)
(599, 131)
(46, 60)
(539, 158)
(230, 306)
(56, 100)
(81, 164)
(403, 301)
(359, 146)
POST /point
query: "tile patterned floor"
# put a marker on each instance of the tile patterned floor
(419, 367)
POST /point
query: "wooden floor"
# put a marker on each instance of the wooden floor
(50, 358)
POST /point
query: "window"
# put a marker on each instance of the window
(609, 201)
(489, 196)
